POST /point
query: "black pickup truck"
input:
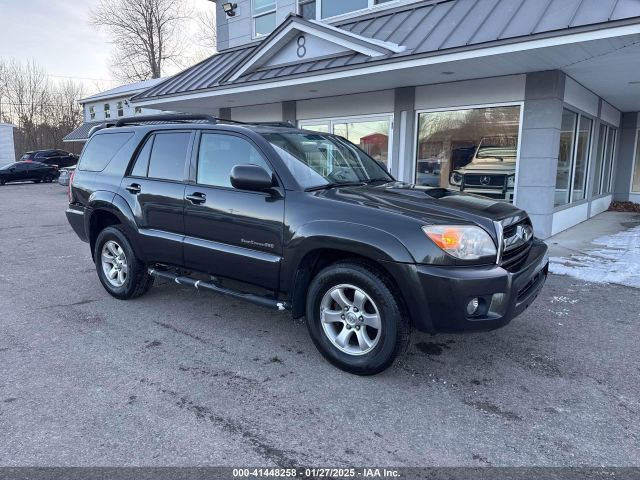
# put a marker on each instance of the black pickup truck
(302, 221)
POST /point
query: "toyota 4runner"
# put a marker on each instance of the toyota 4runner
(301, 221)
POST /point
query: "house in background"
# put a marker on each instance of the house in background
(444, 83)
(110, 105)
(7, 148)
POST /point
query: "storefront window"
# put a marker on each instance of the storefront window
(635, 187)
(370, 134)
(372, 137)
(567, 139)
(598, 160)
(320, 127)
(473, 150)
(582, 160)
(608, 160)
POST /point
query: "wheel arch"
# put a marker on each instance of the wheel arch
(106, 209)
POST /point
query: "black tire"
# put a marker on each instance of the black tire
(37, 181)
(48, 179)
(1, 181)
(138, 281)
(396, 328)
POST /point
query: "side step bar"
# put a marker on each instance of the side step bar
(249, 297)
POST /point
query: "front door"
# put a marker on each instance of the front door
(229, 232)
(154, 189)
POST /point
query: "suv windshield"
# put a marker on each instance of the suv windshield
(498, 148)
(318, 159)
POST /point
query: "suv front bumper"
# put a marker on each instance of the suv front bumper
(502, 294)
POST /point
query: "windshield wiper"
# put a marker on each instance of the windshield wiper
(334, 185)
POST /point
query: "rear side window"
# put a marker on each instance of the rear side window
(101, 149)
(218, 155)
(168, 155)
(142, 162)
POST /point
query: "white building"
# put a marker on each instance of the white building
(110, 105)
(7, 148)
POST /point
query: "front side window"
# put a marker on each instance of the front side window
(168, 156)
(317, 159)
(264, 17)
(107, 110)
(219, 153)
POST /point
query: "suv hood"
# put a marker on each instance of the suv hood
(496, 167)
(429, 205)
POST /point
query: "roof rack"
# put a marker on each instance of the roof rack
(171, 118)
(178, 118)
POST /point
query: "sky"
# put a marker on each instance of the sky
(57, 34)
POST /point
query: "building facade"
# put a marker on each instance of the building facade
(109, 106)
(530, 101)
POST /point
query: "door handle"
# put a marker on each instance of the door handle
(197, 198)
(134, 188)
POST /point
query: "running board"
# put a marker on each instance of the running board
(249, 297)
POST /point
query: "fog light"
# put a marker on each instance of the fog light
(472, 306)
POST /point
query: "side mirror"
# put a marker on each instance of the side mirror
(251, 177)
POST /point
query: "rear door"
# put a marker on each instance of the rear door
(229, 232)
(155, 188)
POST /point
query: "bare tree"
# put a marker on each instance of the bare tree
(43, 111)
(206, 35)
(146, 35)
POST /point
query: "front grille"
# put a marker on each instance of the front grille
(516, 249)
(484, 181)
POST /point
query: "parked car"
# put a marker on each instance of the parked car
(65, 175)
(492, 171)
(307, 222)
(27, 171)
(59, 158)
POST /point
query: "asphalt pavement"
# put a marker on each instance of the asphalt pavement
(183, 377)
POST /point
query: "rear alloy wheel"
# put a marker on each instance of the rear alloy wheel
(119, 270)
(355, 318)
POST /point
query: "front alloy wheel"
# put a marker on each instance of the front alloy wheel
(350, 319)
(356, 318)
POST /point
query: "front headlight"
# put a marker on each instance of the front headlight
(461, 241)
(511, 181)
(455, 178)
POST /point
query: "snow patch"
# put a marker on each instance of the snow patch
(615, 260)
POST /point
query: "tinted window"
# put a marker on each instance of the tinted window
(218, 154)
(101, 149)
(41, 154)
(168, 155)
(142, 162)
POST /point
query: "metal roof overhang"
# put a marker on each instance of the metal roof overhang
(604, 59)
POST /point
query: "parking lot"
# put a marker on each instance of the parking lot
(184, 377)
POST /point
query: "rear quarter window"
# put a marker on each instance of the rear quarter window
(101, 149)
